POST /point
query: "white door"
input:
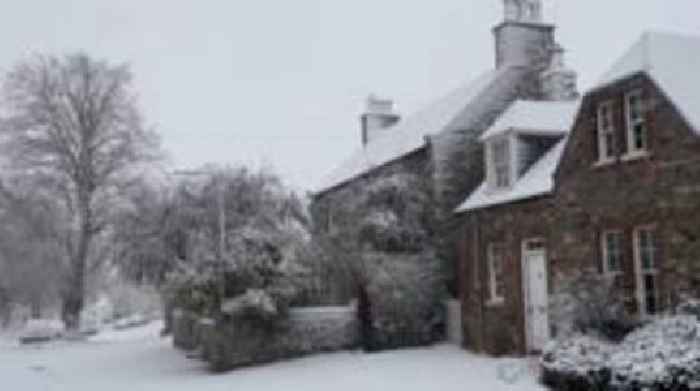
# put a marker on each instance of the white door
(536, 298)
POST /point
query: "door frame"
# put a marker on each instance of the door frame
(525, 281)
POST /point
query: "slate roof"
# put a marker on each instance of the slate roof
(409, 134)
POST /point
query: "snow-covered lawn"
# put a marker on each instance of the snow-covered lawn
(139, 360)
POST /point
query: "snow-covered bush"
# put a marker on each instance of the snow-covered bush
(588, 302)
(128, 299)
(404, 292)
(663, 355)
(577, 363)
(41, 330)
(689, 306)
(382, 232)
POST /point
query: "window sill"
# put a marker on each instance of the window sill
(495, 303)
(603, 163)
(635, 156)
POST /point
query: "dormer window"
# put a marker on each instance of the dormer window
(636, 124)
(606, 132)
(500, 155)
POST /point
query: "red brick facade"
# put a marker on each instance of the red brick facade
(660, 190)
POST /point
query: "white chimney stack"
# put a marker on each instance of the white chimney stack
(379, 115)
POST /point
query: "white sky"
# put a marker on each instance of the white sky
(281, 83)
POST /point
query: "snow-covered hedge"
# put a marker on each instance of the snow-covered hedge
(230, 344)
(664, 355)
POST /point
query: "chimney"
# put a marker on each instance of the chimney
(558, 81)
(379, 115)
(523, 39)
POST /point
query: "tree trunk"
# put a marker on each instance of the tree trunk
(74, 294)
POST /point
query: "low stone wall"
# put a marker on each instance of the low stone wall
(307, 330)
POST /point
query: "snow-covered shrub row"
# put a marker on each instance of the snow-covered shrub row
(230, 344)
(663, 355)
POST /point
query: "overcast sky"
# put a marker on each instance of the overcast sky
(281, 83)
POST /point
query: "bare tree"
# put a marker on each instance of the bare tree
(72, 124)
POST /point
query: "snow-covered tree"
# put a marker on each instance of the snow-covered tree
(264, 241)
(382, 235)
(71, 123)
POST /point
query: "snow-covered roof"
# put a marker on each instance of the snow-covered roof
(672, 61)
(538, 180)
(408, 135)
(539, 117)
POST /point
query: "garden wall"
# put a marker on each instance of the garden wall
(228, 345)
(453, 311)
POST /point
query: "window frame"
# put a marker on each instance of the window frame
(602, 133)
(630, 123)
(642, 272)
(605, 250)
(501, 164)
(494, 297)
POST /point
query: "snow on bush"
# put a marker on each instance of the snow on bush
(42, 330)
(663, 355)
(587, 302)
(404, 292)
(689, 306)
(663, 352)
(253, 300)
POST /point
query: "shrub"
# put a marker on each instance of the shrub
(689, 306)
(588, 302)
(663, 355)
(405, 300)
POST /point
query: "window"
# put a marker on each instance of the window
(496, 268)
(606, 132)
(500, 151)
(636, 126)
(612, 251)
(646, 262)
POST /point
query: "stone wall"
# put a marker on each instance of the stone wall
(662, 189)
(498, 328)
(228, 345)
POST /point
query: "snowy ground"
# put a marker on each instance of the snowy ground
(140, 360)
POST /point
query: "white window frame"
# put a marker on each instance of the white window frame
(630, 123)
(505, 163)
(603, 132)
(641, 272)
(619, 251)
(494, 297)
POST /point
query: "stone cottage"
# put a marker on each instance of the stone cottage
(441, 142)
(609, 184)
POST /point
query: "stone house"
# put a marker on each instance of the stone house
(440, 142)
(617, 192)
